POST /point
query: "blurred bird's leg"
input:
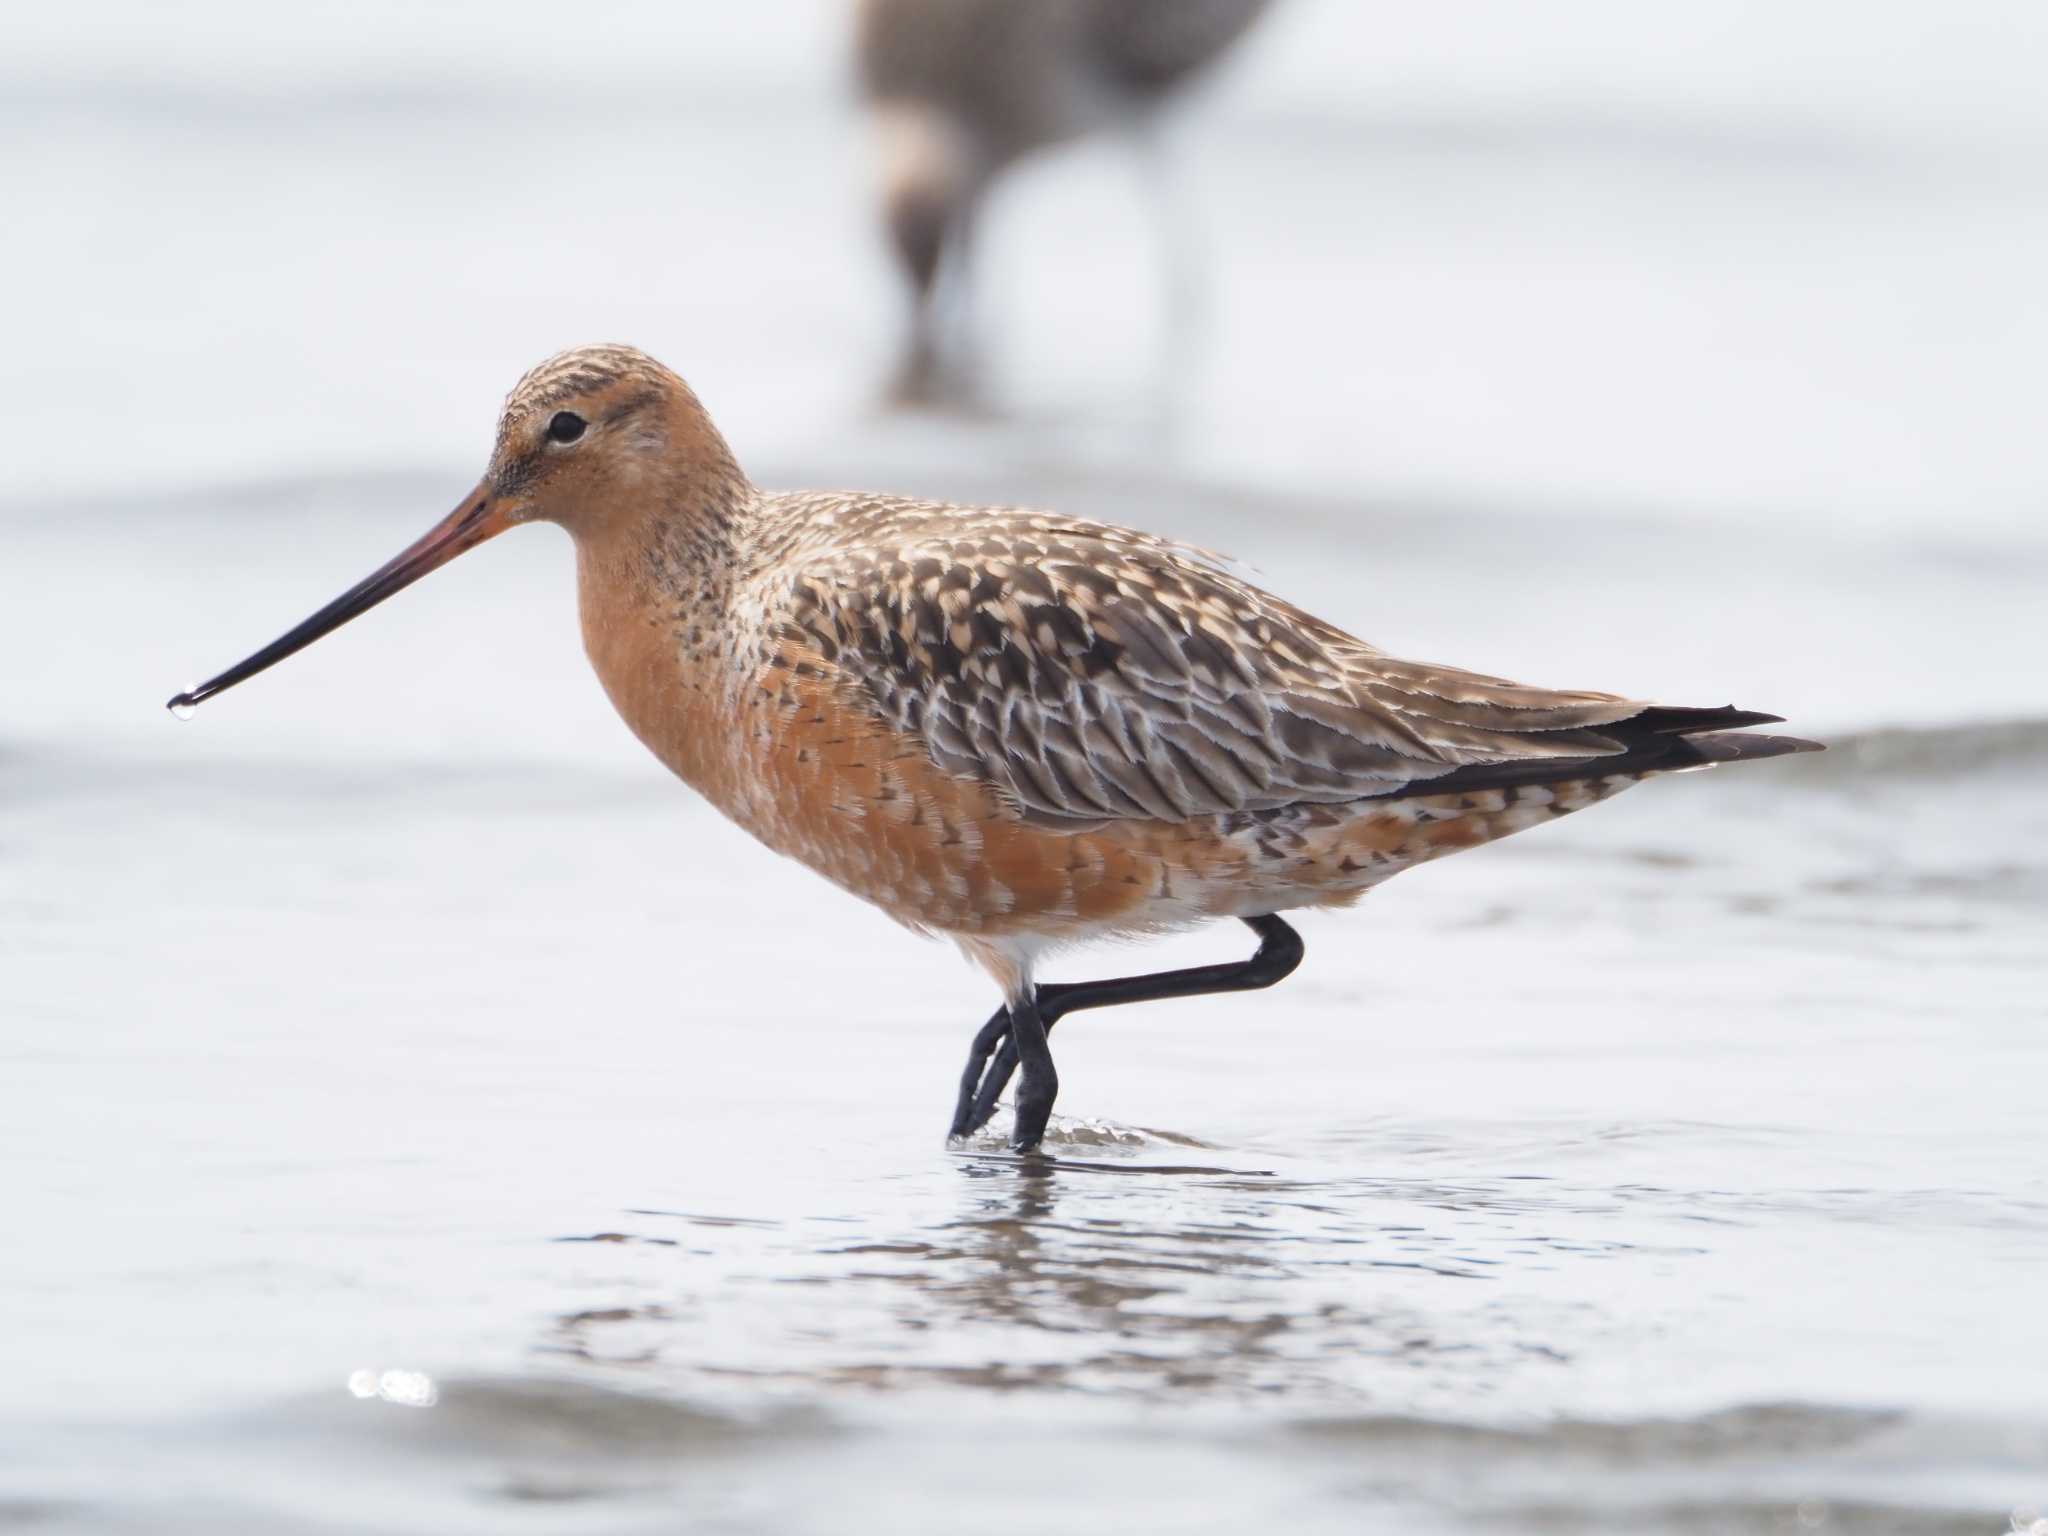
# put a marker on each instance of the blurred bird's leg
(919, 372)
(1184, 308)
(942, 363)
(930, 185)
(940, 360)
(960, 336)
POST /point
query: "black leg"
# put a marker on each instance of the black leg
(1279, 952)
(995, 1031)
(1040, 1084)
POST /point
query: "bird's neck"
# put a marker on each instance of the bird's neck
(655, 596)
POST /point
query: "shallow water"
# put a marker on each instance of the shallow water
(421, 1115)
(1673, 1168)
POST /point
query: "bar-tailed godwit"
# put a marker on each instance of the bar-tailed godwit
(1015, 729)
(961, 90)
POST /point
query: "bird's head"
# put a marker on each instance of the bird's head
(597, 435)
(596, 439)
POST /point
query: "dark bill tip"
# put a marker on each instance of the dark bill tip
(464, 528)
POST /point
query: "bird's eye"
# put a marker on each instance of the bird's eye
(566, 427)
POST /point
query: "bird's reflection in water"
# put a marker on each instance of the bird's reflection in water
(1123, 1277)
(1116, 1295)
(1137, 1278)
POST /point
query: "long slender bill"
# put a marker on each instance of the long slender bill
(464, 528)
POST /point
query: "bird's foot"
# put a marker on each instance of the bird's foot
(1035, 1095)
(973, 1106)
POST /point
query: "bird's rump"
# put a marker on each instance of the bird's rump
(1090, 673)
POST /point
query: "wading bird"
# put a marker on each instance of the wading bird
(961, 90)
(1011, 728)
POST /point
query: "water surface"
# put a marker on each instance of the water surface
(421, 1115)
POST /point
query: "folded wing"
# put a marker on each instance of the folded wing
(1091, 674)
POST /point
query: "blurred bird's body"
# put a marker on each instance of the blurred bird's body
(1012, 728)
(963, 89)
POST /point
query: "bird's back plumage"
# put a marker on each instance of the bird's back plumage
(1089, 673)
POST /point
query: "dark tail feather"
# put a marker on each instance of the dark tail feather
(1675, 720)
(1741, 749)
(1659, 740)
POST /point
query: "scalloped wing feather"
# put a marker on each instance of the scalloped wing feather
(1091, 673)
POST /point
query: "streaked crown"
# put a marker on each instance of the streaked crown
(583, 371)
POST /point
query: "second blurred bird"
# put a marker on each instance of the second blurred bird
(963, 89)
